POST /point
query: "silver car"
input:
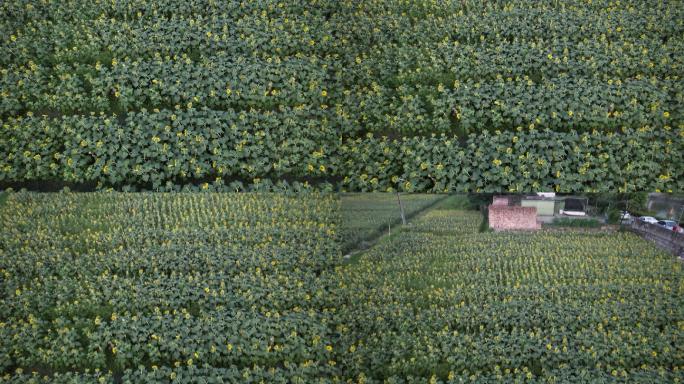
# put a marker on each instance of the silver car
(669, 224)
(648, 219)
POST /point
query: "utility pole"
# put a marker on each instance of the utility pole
(625, 203)
(401, 206)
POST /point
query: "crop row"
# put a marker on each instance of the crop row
(524, 160)
(218, 82)
(163, 149)
(444, 302)
(138, 283)
(47, 33)
(473, 106)
(166, 147)
(382, 26)
(607, 64)
(539, 57)
(224, 83)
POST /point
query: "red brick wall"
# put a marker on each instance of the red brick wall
(500, 200)
(503, 218)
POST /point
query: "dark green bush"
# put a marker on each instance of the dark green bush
(575, 223)
(613, 216)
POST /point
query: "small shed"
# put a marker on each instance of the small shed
(546, 206)
(574, 206)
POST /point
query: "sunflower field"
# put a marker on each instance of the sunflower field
(159, 95)
(210, 95)
(438, 66)
(112, 287)
(162, 150)
(444, 303)
(516, 161)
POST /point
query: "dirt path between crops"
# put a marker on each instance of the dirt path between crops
(369, 243)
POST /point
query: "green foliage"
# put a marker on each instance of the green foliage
(577, 223)
(221, 82)
(282, 91)
(167, 148)
(152, 286)
(518, 161)
(464, 66)
(637, 201)
(624, 201)
(444, 303)
(613, 216)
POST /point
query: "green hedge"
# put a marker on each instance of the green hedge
(575, 223)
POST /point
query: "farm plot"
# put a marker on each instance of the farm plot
(516, 161)
(157, 287)
(441, 302)
(463, 66)
(160, 95)
(365, 215)
(116, 57)
(272, 95)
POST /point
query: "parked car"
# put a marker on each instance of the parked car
(648, 219)
(624, 215)
(669, 224)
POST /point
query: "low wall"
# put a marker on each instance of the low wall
(503, 218)
(662, 237)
